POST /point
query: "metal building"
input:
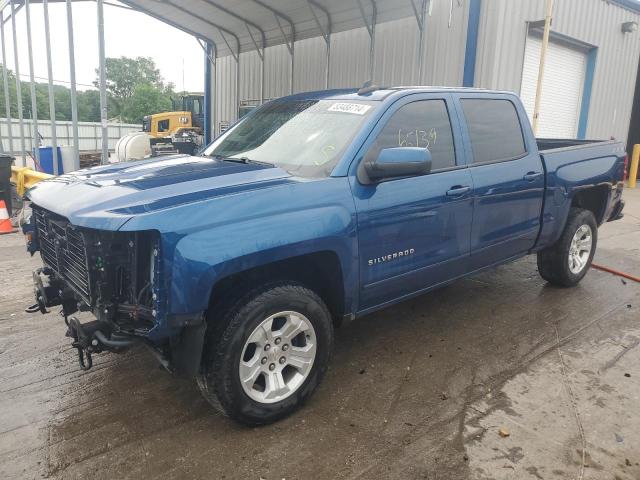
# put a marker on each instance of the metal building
(265, 49)
(256, 50)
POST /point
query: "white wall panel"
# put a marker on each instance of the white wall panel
(89, 134)
(250, 69)
(227, 99)
(349, 58)
(502, 36)
(278, 71)
(310, 64)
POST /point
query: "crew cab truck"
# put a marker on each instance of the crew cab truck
(235, 266)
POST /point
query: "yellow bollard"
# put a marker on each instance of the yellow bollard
(633, 171)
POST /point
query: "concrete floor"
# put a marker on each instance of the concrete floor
(420, 390)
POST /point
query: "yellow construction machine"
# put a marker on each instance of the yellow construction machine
(178, 131)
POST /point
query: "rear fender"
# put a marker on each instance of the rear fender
(567, 182)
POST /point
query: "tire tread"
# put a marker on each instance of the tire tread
(216, 387)
(553, 262)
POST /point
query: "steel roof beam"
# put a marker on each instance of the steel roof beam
(290, 44)
(421, 19)
(326, 34)
(164, 20)
(204, 20)
(18, 7)
(222, 31)
(248, 23)
(370, 25)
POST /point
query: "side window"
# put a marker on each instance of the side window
(494, 129)
(197, 106)
(424, 123)
(163, 125)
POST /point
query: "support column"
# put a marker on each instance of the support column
(5, 80)
(34, 104)
(102, 83)
(236, 56)
(209, 49)
(325, 32)
(52, 104)
(290, 43)
(421, 19)
(74, 95)
(370, 25)
(23, 149)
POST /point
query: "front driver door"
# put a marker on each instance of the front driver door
(414, 232)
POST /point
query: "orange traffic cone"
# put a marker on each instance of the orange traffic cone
(5, 222)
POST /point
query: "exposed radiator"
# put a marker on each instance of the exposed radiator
(62, 247)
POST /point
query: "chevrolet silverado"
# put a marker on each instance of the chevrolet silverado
(235, 265)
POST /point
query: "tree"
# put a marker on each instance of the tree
(12, 93)
(124, 75)
(135, 88)
(89, 106)
(145, 100)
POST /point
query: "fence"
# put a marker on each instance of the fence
(89, 134)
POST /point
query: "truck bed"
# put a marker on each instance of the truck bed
(576, 165)
(554, 143)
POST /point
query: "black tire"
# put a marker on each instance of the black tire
(219, 379)
(553, 262)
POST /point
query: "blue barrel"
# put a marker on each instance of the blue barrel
(46, 160)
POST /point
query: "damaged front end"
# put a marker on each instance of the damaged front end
(114, 275)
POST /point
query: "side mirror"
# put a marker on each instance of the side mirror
(398, 162)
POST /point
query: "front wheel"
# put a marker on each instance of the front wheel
(567, 261)
(270, 357)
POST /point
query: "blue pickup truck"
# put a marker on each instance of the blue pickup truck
(234, 266)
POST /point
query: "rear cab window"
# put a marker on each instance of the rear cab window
(423, 123)
(494, 129)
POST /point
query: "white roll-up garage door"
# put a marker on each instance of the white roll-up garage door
(562, 87)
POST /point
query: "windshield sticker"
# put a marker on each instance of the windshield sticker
(356, 108)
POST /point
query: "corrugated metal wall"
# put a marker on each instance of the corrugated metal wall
(395, 62)
(499, 61)
(89, 134)
(501, 42)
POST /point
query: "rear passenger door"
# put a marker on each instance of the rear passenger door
(413, 232)
(508, 178)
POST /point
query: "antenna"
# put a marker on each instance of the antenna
(368, 87)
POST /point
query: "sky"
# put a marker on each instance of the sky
(127, 33)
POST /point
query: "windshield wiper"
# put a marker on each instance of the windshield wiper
(245, 160)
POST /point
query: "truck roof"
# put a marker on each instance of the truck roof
(381, 93)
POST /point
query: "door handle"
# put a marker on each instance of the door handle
(532, 176)
(458, 190)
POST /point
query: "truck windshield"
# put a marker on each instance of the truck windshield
(304, 137)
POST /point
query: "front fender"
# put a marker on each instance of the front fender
(204, 258)
(279, 224)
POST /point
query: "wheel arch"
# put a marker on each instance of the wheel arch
(594, 199)
(320, 271)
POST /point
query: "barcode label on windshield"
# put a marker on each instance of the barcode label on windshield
(356, 108)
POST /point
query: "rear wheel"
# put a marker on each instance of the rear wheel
(271, 355)
(568, 260)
